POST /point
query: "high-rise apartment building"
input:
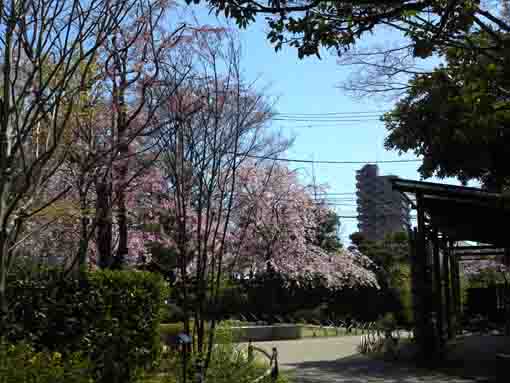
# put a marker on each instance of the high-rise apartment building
(380, 209)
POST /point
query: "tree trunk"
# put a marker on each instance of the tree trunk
(4, 268)
(123, 151)
(104, 225)
(84, 236)
(3, 275)
(122, 221)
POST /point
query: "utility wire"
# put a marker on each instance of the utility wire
(325, 120)
(334, 113)
(335, 193)
(325, 162)
(356, 217)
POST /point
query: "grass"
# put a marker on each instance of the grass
(229, 363)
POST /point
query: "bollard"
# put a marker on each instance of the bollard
(274, 357)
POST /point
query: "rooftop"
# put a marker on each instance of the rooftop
(462, 213)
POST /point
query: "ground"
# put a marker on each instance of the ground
(336, 360)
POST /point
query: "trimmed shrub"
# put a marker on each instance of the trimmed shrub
(112, 316)
(125, 336)
(21, 363)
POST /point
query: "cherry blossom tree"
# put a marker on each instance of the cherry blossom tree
(133, 58)
(473, 269)
(276, 220)
(43, 46)
(214, 122)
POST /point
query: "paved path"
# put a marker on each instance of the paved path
(335, 360)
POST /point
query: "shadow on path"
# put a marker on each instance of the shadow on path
(361, 369)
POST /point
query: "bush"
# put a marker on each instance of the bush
(21, 363)
(229, 362)
(125, 336)
(171, 313)
(112, 316)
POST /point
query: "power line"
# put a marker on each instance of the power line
(328, 193)
(328, 118)
(334, 113)
(321, 125)
(325, 162)
(336, 120)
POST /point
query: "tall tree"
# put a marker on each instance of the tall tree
(134, 56)
(460, 108)
(213, 122)
(43, 45)
(276, 224)
(310, 24)
(327, 233)
(391, 255)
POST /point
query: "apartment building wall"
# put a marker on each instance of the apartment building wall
(380, 209)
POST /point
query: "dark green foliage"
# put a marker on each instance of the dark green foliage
(458, 109)
(21, 363)
(357, 239)
(231, 300)
(273, 294)
(391, 255)
(326, 236)
(163, 261)
(311, 24)
(365, 304)
(113, 316)
(125, 309)
(171, 313)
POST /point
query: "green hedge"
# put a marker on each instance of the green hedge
(112, 316)
(21, 363)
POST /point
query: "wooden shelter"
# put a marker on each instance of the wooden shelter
(447, 217)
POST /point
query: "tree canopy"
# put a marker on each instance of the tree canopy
(459, 109)
(311, 24)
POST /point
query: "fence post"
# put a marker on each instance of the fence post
(274, 373)
(250, 351)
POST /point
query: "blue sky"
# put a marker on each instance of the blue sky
(310, 86)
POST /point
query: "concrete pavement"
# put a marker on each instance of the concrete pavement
(336, 360)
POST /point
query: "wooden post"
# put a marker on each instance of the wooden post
(454, 263)
(447, 290)
(454, 288)
(425, 341)
(416, 289)
(506, 294)
(438, 293)
(275, 371)
(250, 351)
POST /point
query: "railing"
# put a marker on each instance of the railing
(272, 370)
(377, 340)
(351, 327)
